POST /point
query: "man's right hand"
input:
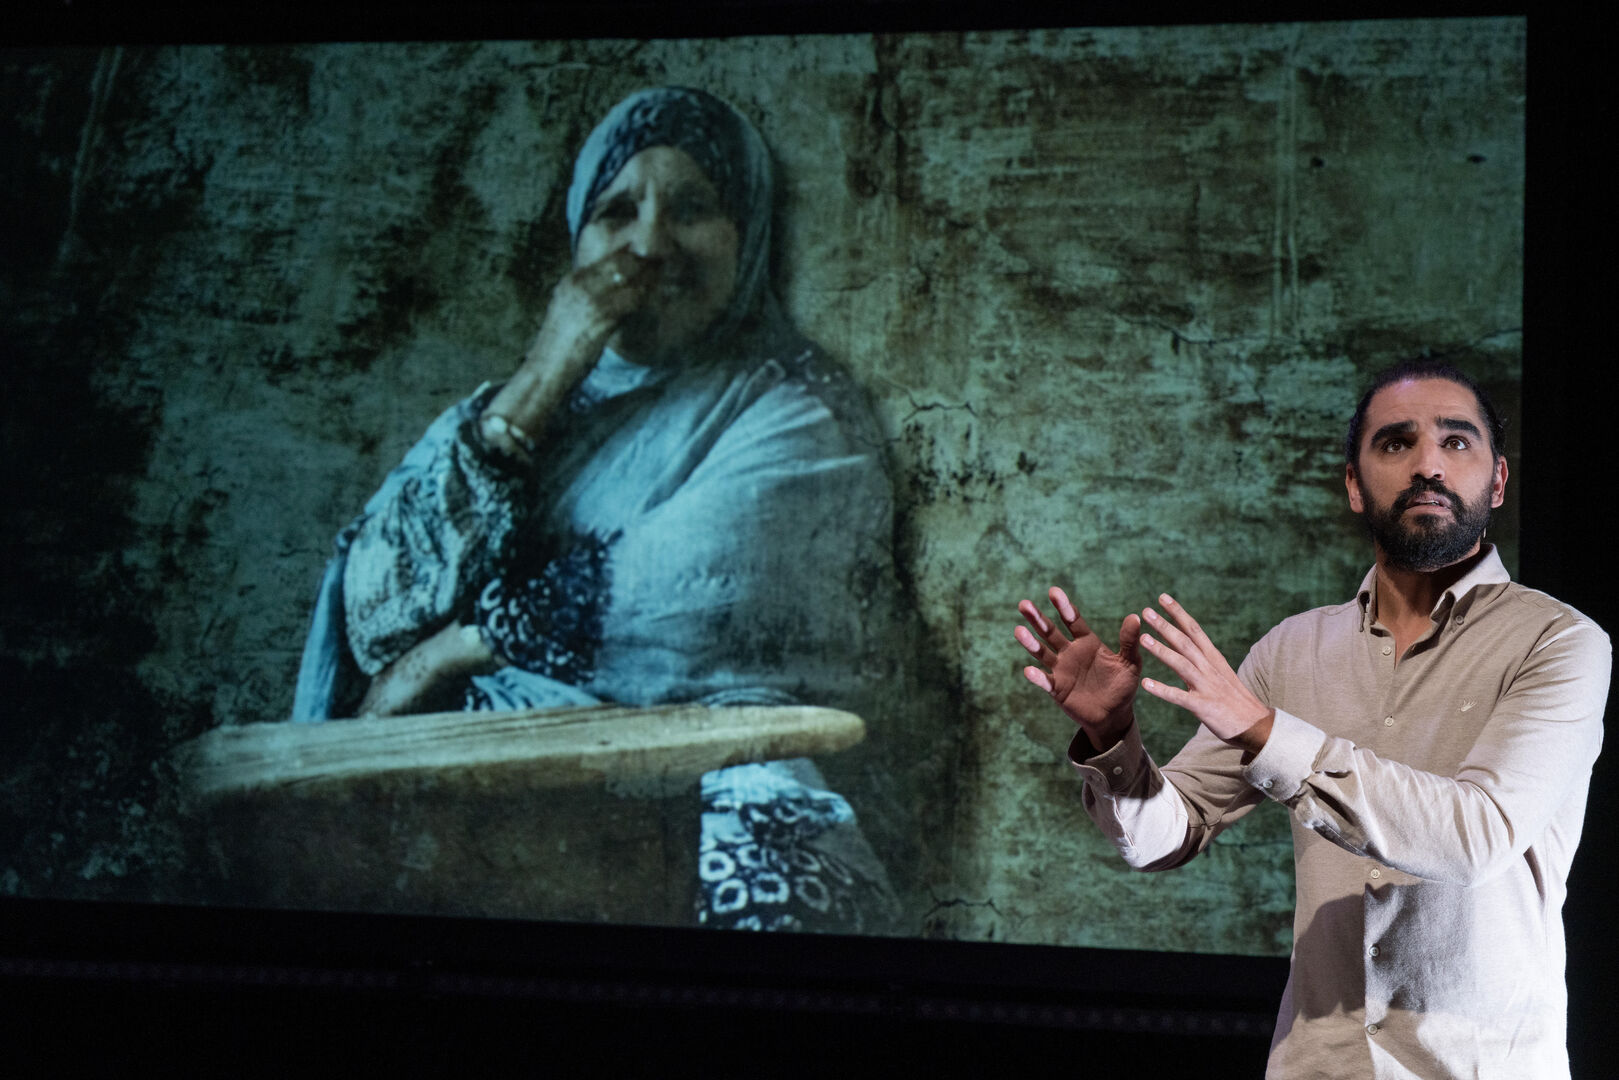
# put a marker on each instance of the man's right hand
(1093, 684)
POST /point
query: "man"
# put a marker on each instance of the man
(1432, 740)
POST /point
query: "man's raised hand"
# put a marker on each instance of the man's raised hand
(1093, 684)
(1214, 694)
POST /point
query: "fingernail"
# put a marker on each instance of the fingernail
(1165, 598)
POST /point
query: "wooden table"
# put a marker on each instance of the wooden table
(586, 814)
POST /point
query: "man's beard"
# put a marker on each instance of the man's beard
(1427, 541)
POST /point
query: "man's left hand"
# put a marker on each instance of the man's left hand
(1213, 692)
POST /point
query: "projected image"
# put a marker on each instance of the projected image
(676, 498)
(689, 416)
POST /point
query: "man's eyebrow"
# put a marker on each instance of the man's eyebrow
(1407, 428)
(1457, 423)
(1400, 427)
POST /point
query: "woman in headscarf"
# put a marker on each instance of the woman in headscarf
(675, 498)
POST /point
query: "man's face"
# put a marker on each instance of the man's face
(1426, 479)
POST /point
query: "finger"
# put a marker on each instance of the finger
(1164, 692)
(1130, 640)
(1034, 647)
(1193, 628)
(1041, 624)
(586, 307)
(1170, 636)
(1043, 627)
(1039, 678)
(1068, 613)
(1187, 669)
(617, 279)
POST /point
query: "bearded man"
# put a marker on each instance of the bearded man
(1432, 740)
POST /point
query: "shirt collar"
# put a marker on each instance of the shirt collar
(1489, 570)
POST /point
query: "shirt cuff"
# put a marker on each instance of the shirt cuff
(1113, 771)
(1287, 759)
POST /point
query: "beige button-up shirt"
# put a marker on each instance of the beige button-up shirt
(1436, 804)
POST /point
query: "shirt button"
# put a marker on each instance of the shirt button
(1387, 649)
(1376, 873)
(1388, 721)
(1372, 951)
(1118, 770)
(1266, 784)
(1371, 1029)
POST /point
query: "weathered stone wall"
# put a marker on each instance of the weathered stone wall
(1112, 293)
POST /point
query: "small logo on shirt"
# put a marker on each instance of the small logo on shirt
(1468, 704)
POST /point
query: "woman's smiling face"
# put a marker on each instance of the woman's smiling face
(662, 207)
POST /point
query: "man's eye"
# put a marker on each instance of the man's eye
(1393, 446)
(1456, 442)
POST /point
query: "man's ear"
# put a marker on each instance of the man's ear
(1498, 486)
(1352, 485)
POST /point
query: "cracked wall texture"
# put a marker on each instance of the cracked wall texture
(1112, 292)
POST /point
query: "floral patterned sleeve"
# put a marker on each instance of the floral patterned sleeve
(431, 537)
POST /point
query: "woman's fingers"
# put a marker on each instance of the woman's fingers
(618, 275)
(587, 305)
(591, 301)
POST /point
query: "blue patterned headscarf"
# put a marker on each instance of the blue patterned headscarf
(723, 144)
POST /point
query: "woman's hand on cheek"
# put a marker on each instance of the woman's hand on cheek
(587, 306)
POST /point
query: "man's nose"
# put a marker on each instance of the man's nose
(1430, 462)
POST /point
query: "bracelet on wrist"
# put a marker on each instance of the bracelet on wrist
(504, 429)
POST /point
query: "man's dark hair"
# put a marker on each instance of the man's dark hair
(1424, 368)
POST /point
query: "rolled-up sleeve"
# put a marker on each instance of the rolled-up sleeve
(1160, 818)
